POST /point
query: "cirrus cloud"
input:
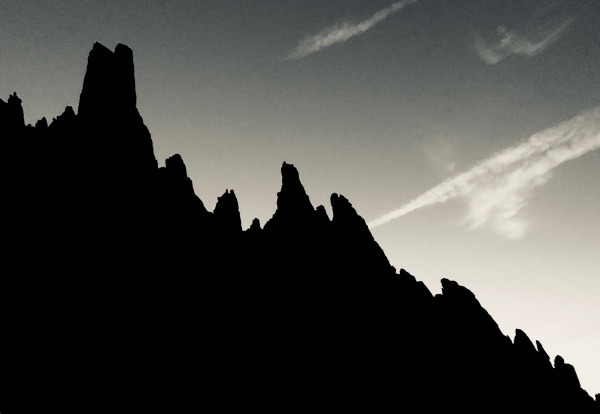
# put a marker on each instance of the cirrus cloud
(498, 188)
(513, 43)
(343, 32)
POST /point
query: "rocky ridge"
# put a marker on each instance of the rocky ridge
(167, 298)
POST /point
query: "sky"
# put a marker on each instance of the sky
(465, 132)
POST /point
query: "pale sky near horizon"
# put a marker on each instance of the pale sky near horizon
(380, 101)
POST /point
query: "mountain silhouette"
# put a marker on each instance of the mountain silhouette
(124, 292)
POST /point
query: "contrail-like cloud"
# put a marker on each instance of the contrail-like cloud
(498, 188)
(512, 43)
(343, 32)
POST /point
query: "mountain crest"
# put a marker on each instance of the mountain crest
(294, 209)
(12, 117)
(109, 83)
(122, 259)
(227, 213)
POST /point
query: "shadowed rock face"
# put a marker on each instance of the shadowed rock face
(121, 276)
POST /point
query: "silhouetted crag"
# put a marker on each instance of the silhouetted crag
(125, 291)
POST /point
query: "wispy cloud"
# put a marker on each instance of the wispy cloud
(498, 188)
(343, 32)
(512, 43)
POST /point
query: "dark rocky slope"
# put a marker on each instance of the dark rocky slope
(123, 291)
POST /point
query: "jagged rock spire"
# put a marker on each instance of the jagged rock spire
(566, 372)
(294, 209)
(12, 117)
(109, 82)
(543, 358)
(110, 125)
(255, 226)
(523, 344)
(321, 217)
(177, 188)
(227, 213)
(353, 237)
(42, 124)
(64, 120)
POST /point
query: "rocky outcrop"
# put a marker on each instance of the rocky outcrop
(109, 83)
(353, 240)
(108, 118)
(12, 118)
(64, 122)
(523, 344)
(227, 213)
(42, 125)
(294, 209)
(566, 373)
(255, 226)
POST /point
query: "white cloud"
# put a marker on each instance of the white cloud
(343, 32)
(512, 43)
(498, 188)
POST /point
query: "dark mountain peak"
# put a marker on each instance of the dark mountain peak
(541, 350)
(124, 51)
(292, 194)
(566, 372)
(354, 238)
(99, 48)
(289, 174)
(407, 276)
(542, 356)
(416, 288)
(177, 189)
(227, 213)
(126, 75)
(345, 214)
(464, 311)
(12, 117)
(294, 209)
(109, 83)
(108, 116)
(97, 89)
(451, 289)
(255, 226)
(64, 121)
(342, 208)
(14, 99)
(176, 167)
(321, 216)
(523, 344)
(42, 124)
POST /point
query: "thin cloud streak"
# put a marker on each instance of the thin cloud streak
(498, 188)
(512, 43)
(343, 32)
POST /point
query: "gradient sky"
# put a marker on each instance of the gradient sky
(378, 101)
